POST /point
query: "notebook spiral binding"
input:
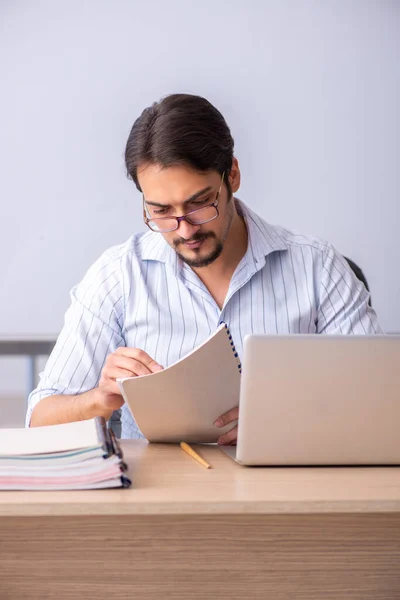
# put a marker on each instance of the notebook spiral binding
(233, 346)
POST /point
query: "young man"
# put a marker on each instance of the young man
(207, 258)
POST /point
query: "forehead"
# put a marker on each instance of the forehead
(174, 184)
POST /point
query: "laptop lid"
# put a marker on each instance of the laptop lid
(319, 400)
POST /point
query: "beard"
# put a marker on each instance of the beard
(203, 261)
(199, 261)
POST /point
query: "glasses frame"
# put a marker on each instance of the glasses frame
(185, 217)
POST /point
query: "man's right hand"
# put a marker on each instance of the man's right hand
(124, 362)
(100, 401)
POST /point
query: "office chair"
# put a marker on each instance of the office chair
(359, 274)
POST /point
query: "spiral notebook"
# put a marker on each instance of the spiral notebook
(69, 456)
(183, 401)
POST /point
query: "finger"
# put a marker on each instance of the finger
(108, 381)
(228, 438)
(141, 356)
(131, 365)
(228, 417)
(115, 373)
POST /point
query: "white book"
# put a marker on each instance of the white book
(183, 401)
(51, 438)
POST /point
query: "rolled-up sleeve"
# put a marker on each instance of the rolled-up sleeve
(92, 330)
(343, 299)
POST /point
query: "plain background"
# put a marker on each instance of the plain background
(310, 89)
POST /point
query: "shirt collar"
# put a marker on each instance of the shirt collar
(263, 238)
(154, 247)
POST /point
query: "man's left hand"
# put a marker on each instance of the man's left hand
(230, 437)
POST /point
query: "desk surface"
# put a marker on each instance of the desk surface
(168, 481)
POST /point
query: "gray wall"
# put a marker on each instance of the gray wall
(310, 89)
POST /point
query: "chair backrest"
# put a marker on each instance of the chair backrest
(359, 274)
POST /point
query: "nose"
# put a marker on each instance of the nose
(187, 230)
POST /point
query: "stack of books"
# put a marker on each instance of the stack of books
(71, 456)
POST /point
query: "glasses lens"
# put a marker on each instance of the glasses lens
(163, 225)
(202, 215)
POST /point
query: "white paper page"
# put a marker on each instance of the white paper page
(182, 401)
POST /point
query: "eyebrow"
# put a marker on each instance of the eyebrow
(188, 201)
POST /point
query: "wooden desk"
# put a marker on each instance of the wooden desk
(185, 532)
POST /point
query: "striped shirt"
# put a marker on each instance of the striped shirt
(140, 294)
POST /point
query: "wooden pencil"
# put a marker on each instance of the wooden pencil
(194, 455)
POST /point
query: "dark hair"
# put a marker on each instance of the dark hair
(180, 129)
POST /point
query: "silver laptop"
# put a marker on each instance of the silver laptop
(319, 400)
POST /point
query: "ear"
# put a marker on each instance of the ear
(234, 176)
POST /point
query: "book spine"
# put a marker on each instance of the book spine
(104, 436)
(236, 355)
(125, 481)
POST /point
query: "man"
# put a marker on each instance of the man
(207, 258)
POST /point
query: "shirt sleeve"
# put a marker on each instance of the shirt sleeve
(343, 299)
(92, 330)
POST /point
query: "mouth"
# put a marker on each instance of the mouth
(193, 245)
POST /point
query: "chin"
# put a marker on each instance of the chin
(201, 260)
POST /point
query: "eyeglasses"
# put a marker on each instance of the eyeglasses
(202, 215)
